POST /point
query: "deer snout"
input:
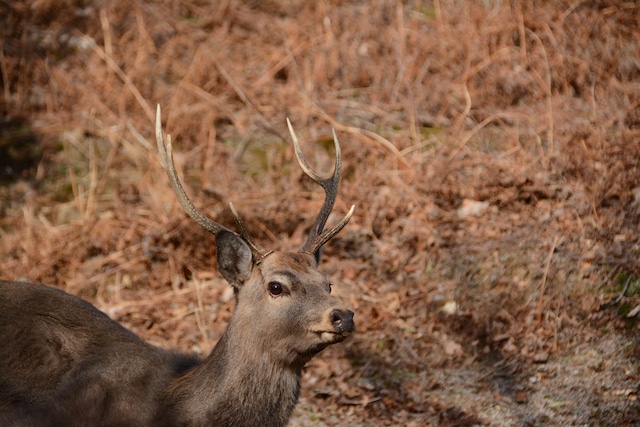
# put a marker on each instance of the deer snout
(342, 320)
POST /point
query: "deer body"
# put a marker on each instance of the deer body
(61, 363)
(65, 363)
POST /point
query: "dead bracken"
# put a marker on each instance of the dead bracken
(529, 113)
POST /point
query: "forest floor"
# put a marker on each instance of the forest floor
(492, 150)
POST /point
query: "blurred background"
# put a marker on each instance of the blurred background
(492, 150)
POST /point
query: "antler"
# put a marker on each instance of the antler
(317, 238)
(166, 155)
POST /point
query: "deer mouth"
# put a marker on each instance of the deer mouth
(331, 337)
(322, 338)
(340, 327)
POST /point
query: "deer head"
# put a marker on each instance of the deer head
(281, 296)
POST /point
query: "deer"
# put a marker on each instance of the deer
(63, 362)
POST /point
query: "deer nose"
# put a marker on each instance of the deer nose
(342, 320)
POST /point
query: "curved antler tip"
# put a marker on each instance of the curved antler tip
(158, 118)
(233, 209)
(256, 250)
(158, 121)
(350, 214)
(293, 134)
(347, 217)
(336, 144)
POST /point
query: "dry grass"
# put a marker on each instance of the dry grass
(503, 315)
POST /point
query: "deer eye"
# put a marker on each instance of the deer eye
(275, 289)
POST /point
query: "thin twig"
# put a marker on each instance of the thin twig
(106, 31)
(550, 122)
(367, 134)
(125, 79)
(624, 291)
(244, 98)
(544, 280)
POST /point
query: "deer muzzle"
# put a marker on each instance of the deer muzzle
(342, 321)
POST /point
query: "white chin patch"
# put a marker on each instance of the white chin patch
(327, 337)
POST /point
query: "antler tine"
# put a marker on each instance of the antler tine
(327, 235)
(317, 238)
(258, 252)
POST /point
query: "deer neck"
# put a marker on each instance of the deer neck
(238, 384)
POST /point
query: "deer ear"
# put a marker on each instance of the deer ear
(235, 260)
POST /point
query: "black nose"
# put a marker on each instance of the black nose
(342, 320)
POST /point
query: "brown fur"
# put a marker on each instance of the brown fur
(65, 363)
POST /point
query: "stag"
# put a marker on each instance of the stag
(65, 363)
